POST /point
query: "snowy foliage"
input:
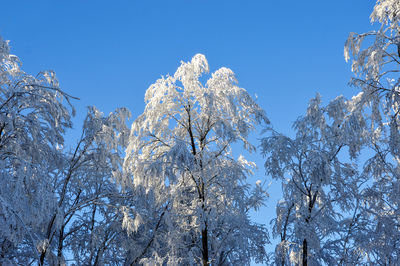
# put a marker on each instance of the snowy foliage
(319, 188)
(53, 202)
(33, 119)
(179, 157)
(376, 64)
(183, 198)
(173, 189)
(89, 221)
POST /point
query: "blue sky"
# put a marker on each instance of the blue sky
(108, 52)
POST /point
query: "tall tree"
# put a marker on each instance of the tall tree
(320, 186)
(33, 119)
(375, 61)
(54, 202)
(180, 158)
(88, 222)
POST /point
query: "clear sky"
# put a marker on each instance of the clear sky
(107, 53)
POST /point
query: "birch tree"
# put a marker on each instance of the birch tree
(88, 222)
(54, 202)
(316, 216)
(180, 158)
(375, 62)
(34, 114)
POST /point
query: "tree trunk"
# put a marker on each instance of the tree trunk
(305, 252)
(204, 240)
(42, 256)
(60, 246)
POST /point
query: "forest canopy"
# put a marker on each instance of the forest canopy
(172, 188)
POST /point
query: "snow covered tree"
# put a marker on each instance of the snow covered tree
(33, 119)
(179, 159)
(316, 215)
(54, 202)
(375, 61)
(87, 222)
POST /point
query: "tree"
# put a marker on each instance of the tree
(54, 201)
(180, 159)
(376, 67)
(33, 119)
(88, 222)
(315, 219)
